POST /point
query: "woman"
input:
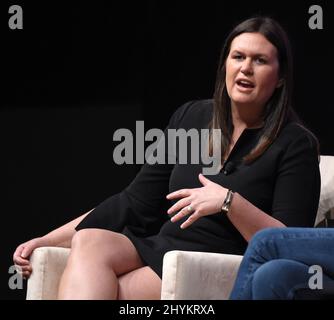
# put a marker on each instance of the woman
(269, 178)
(287, 263)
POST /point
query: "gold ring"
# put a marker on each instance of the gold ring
(190, 209)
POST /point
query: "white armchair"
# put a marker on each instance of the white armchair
(213, 273)
(198, 275)
(186, 275)
(48, 264)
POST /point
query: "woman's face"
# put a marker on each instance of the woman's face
(252, 70)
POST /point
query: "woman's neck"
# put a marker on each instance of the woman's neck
(246, 117)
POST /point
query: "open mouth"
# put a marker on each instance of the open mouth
(245, 84)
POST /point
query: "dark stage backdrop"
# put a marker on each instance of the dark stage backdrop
(80, 70)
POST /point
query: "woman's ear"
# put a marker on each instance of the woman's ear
(280, 83)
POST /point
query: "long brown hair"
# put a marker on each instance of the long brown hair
(277, 110)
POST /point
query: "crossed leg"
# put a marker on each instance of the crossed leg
(98, 257)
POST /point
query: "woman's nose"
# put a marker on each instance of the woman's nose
(246, 67)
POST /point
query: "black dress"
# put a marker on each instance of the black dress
(284, 182)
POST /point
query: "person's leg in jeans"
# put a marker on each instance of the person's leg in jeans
(309, 246)
(280, 279)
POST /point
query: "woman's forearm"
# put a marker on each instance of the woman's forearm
(249, 219)
(62, 236)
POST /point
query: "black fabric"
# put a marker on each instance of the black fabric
(284, 182)
(315, 294)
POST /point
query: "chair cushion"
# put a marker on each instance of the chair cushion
(327, 187)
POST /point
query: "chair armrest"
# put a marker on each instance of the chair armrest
(198, 275)
(48, 264)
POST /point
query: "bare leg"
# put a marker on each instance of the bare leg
(97, 258)
(139, 284)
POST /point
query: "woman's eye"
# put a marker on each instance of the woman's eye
(260, 61)
(237, 57)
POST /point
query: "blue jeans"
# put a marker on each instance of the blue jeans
(277, 263)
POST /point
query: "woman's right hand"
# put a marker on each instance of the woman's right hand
(23, 252)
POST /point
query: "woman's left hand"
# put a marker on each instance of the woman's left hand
(197, 202)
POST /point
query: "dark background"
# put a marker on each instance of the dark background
(80, 70)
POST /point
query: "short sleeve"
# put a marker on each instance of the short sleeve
(140, 207)
(297, 187)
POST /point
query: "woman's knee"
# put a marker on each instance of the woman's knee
(89, 243)
(107, 248)
(267, 234)
(88, 238)
(261, 244)
(274, 234)
(80, 238)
